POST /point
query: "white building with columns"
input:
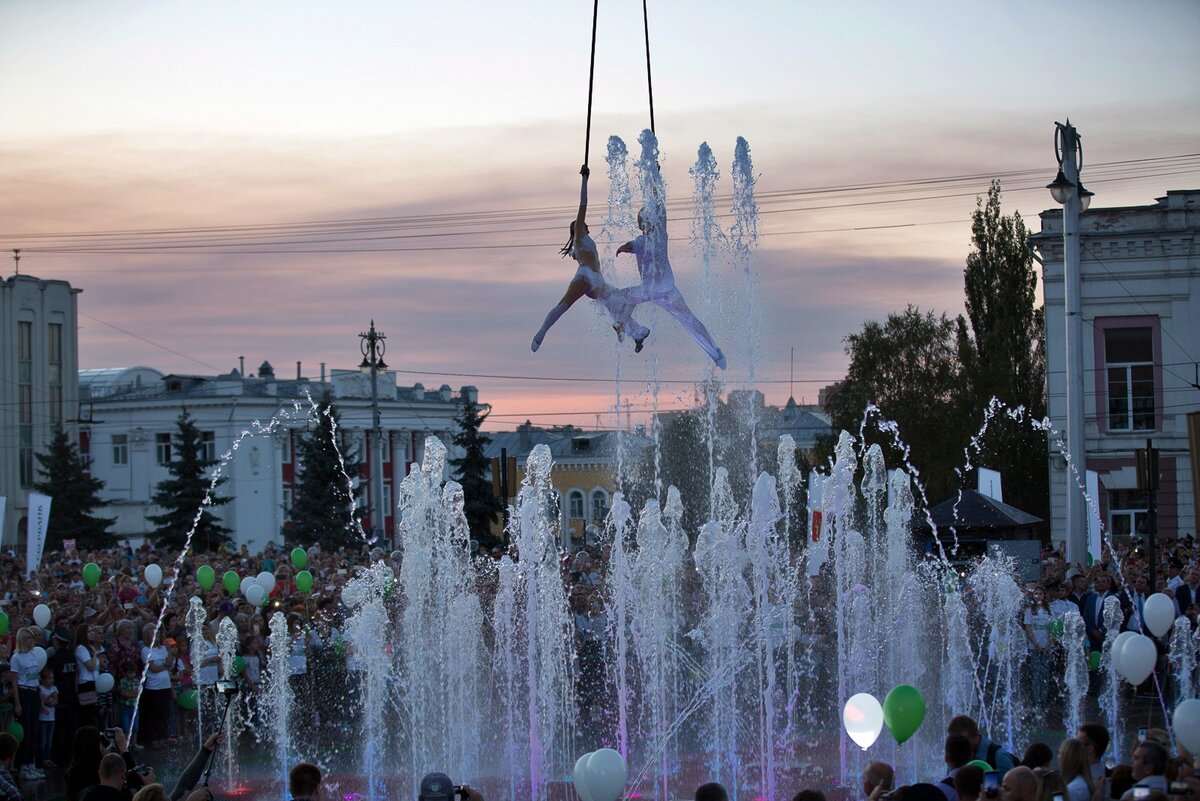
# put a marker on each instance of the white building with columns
(133, 415)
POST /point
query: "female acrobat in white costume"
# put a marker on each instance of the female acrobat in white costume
(588, 281)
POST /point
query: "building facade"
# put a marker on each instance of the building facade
(1140, 304)
(134, 412)
(39, 346)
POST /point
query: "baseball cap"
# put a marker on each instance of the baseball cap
(436, 787)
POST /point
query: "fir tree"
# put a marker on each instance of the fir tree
(325, 510)
(183, 494)
(76, 494)
(480, 505)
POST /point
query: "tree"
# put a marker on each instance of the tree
(908, 367)
(1003, 351)
(76, 494)
(188, 492)
(480, 505)
(326, 509)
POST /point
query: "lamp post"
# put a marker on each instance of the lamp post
(373, 347)
(1068, 191)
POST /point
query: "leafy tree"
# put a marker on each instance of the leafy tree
(187, 493)
(1001, 346)
(471, 469)
(908, 367)
(326, 510)
(67, 479)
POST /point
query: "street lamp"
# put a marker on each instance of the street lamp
(1068, 191)
(373, 347)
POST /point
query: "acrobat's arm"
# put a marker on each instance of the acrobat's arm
(583, 202)
(626, 248)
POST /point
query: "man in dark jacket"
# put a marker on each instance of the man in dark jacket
(62, 662)
(112, 781)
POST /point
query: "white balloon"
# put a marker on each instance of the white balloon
(247, 583)
(580, 774)
(1138, 658)
(104, 683)
(1187, 725)
(1158, 613)
(153, 574)
(1117, 647)
(863, 719)
(40, 653)
(41, 615)
(255, 595)
(606, 775)
(266, 581)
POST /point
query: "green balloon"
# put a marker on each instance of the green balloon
(299, 558)
(187, 699)
(903, 711)
(16, 730)
(304, 581)
(239, 665)
(3, 623)
(231, 582)
(1094, 661)
(1056, 629)
(979, 763)
(91, 574)
(206, 577)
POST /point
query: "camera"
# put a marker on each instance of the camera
(991, 784)
(227, 686)
(438, 787)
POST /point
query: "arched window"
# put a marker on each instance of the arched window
(553, 504)
(599, 505)
(575, 505)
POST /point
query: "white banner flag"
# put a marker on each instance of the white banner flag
(818, 539)
(3, 503)
(989, 484)
(1093, 541)
(39, 521)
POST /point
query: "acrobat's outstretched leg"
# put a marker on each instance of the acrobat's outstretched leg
(575, 291)
(677, 307)
(620, 304)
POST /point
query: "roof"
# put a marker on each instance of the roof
(564, 445)
(974, 510)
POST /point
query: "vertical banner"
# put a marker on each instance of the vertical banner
(818, 545)
(1093, 518)
(3, 504)
(989, 484)
(39, 521)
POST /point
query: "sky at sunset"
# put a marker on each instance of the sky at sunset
(453, 133)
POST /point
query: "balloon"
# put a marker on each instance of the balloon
(979, 763)
(1187, 725)
(247, 583)
(1158, 613)
(91, 574)
(40, 653)
(1094, 661)
(863, 719)
(606, 775)
(255, 595)
(304, 581)
(1056, 629)
(580, 773)
(1118, 646)
(41, 615)
(266, 581)
(104, 683)
(3, 623)
(1138, 658)
(299, 558)
(187, 699)
(230, 582)
(903, 711)
(16, 730)
(205, 577)
(153, 574)
(239, 664)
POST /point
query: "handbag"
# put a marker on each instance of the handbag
(86, 693)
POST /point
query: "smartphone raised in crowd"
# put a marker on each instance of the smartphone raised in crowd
(1141, 793)
(991, 784)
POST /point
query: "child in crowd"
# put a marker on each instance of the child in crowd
(49, 695)
(127, 692)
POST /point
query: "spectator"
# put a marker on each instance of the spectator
(45, 728)
(156, 693)
(1038, 620)
(1149, 767)
(877, 780)
(985, 749)
(111, 786)
(1076, 770)
(957, 753)
(8, 752)
(1096, 738)
(195, 769)
(27, 702)
(87, 665)
(1019, 785)
(304, 782)
(1049, 784)
(968, 783)
(62, 662)
(1037, 755)
(809, 795)
(1120, 781)
(152, 792)
(713, 791)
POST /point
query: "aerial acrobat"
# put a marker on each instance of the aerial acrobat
(588, 281)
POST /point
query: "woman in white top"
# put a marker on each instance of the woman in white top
(1075, 769)
(154, 708)
(27, 701)
(1037, 631)
(87, 665)
(588, 281)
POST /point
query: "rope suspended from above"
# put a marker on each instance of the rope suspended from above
(587, 141)
(649, 83)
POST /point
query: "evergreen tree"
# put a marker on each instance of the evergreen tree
(76, 494)
(480, 505)
(1001, 346)
(325, 510)
(183, 494)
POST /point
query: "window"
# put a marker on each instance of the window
(385, 446)
(54, 357)
(1129, 372)
(387, 499)
(120, 449)
(575, 504)
(286, 445)
(25, 401)
(599, 505)
(1128, 513)
(287, 499)
(162, 448)
(208, 446)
